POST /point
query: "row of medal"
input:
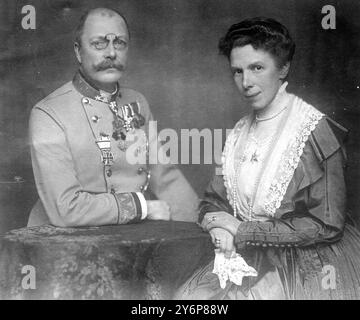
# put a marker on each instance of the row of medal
(125, 123)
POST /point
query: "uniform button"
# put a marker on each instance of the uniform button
(109, 173)
(86, 101)
(140, 170)
(95, 119)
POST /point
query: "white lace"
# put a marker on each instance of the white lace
(302, 121)
(290, 160)
(232, 269)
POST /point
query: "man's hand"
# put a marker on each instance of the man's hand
(157, 210)
(223, 240)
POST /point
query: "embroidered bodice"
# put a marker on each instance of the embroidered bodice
(249, 164)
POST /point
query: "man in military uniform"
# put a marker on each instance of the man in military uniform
(83, 134)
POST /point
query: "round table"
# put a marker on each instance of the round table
(148, 260)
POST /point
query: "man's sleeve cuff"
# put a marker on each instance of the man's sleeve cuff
(143, 205)
(129, 207)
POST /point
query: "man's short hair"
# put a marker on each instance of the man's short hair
(103, 12)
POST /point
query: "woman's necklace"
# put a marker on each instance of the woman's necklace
(255, 156)
(257, 119)
(268, 145)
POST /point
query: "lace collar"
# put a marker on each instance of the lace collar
(278, 168)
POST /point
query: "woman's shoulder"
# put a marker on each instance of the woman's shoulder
(327, 138)
(324, 141)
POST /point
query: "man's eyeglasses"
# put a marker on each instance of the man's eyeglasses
(101, 43)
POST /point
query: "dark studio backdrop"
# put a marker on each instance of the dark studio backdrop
(174, 62)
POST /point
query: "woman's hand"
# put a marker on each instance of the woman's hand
(157, 210)
(220, 219)
(223, 240)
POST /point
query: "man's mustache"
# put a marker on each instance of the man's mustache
(108, 64)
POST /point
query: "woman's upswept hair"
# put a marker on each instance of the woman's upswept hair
(262, 33)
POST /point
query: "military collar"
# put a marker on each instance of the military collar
(88, 90)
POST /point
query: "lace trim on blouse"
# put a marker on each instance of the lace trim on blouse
(301, 122)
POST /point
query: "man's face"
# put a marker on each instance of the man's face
(257, 75)
(102, 53)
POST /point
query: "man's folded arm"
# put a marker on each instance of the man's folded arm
(66, 203)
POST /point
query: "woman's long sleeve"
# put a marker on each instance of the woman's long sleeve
(214, 198)
(312, 210)
(315, 214)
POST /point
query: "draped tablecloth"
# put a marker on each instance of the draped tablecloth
(148, 260)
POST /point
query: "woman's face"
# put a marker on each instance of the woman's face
(257, 75)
